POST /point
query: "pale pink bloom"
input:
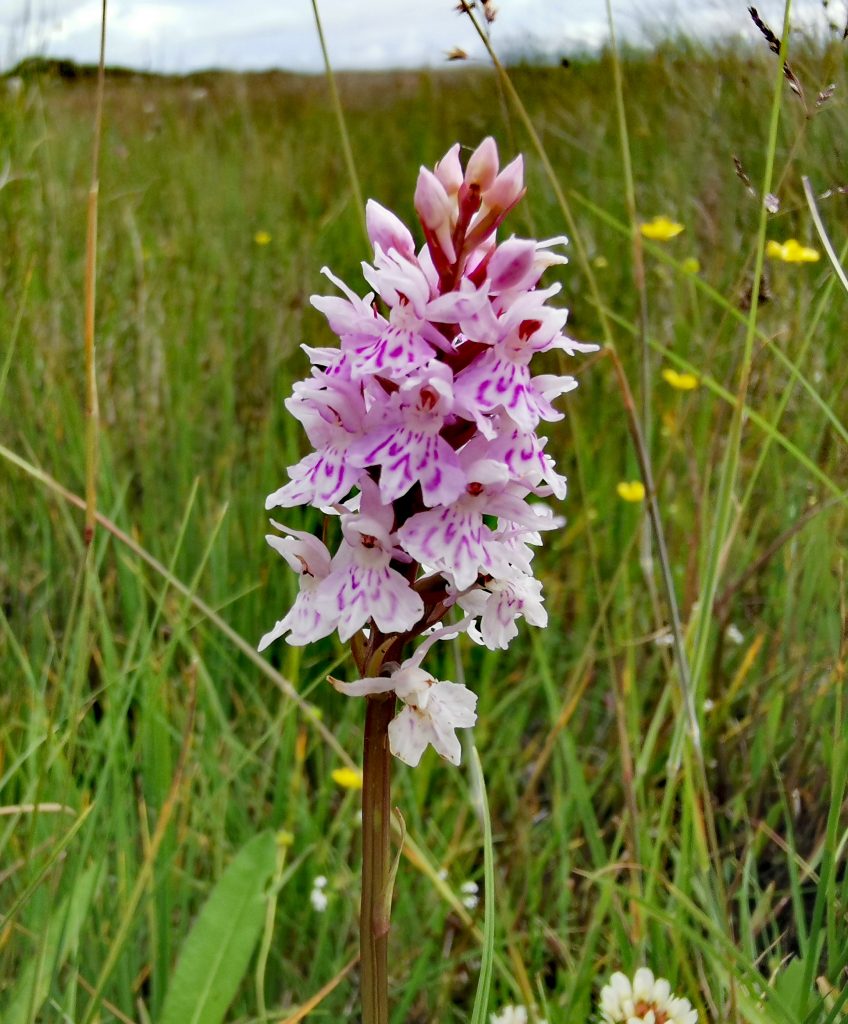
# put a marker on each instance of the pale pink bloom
(497, 200)
(517, 540)
(517, 264)
(311, 560)
(395, 348)
(523, 454)
(455, 539)
(407, 445)
(361, 584)
(511, 265)
(409, 339)
(494, 383)
(527, 325)
(408, 288)
(332, 412)
(500, 604)
(349, 315)
(372, 344)
(499, 378)
(433, 710)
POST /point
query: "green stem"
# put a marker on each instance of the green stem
(376, 860)
(347, 150)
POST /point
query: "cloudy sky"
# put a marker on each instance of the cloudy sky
(181, 35)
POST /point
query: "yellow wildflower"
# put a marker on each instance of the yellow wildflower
(690, 265)
(601, 262)
(347, 778)
(669, 424)
(680, 381)
(660, 229)
(262, 238)
(791, 251)
(631, 490)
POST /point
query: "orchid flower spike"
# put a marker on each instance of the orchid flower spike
(427, 456)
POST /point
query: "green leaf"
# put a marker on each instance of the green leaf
(793, 988)
(62, 935)
(217, 952)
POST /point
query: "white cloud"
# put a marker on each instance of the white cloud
(180, 35)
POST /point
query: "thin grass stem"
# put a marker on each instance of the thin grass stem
(92, 403)
(344, 136)
(310, 712)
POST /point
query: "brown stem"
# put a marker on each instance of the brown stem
(92, 409)
(376, 859)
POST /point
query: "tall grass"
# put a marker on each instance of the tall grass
(141, 749)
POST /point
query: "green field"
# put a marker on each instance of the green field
(141, 748)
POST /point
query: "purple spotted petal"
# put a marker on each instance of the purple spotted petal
(452, 539)
(356, 594)
(322, 478)
(406, 457)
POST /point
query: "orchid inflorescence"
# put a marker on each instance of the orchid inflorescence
(423, 424)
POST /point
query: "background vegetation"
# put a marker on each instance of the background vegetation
(155, 749)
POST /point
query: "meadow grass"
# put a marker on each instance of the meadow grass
(141, 749)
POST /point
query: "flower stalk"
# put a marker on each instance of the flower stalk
(375, 908)
(425, 463)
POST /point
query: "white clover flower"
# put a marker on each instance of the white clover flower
(318, 898)
(509, 1015)
(512, 1015)
(645, 1000)
(734, 635)
(470, 894)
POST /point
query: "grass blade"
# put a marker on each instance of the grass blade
(481, 807)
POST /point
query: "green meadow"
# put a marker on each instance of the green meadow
(642, 814)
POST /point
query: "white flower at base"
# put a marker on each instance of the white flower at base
(647, 1000)
(434, 711)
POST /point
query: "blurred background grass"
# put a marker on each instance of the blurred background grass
(198, 328)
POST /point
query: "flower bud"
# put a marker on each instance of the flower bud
(449, 170)
(482, 166)
(507, 188)
(388, 231)
(434, 209)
